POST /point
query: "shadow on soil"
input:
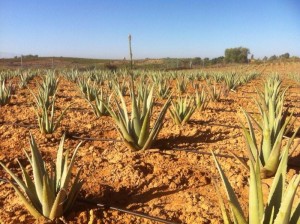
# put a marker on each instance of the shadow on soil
(125, 197)
(183, 141)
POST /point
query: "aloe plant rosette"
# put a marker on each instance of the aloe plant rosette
(273, 123)
(279, 207)
(182, 110)
(135, 130)
(48, 194)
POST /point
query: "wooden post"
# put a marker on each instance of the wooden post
(130, 51)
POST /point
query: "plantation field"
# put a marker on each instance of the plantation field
(166, 180)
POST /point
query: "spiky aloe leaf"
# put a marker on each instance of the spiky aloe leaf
(27, 156)
(174, 114)
(225, 215)
(65, 181)
(296, 215)
(30, 191)
(57, 208)
(256, 207)
(290, 142)
(238, 215)
(149, 101)
(60, 117)
(277, 189)
(235, 205)
(157, 126)
(284, 214)
(124, 108)
(188, 115)
(38, 168)
(272, 163)
(32, 196)
(242, 161)
(251, 131)
(48, 197)
(144, 134)
(33, 211)
(266, 140)
(251, 146)
(76, 186)
(135, 115)
(60, 160)
(122, 121)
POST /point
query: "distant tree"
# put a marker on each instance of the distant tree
(272, 58)
(252, 56)
(197, 61)
(218, 60)
(206, 61)
(286, 55)
(265, 58)
(236, 55)
(29, 56)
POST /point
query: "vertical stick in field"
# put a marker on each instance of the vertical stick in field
(130, 50)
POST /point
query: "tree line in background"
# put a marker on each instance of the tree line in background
(29, 56)
(231, 55)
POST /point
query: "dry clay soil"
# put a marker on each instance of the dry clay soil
(169, 184)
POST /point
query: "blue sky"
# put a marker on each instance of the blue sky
(159, 28)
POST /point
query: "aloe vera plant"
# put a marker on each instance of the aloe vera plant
(46, 90)
(99, 104)
(71, 75)
(217, 77)
(182, 85)
(123, 87)
(214, 93)
(277, 210)
(46, 120)
(25, 77)
(201, 100)
(135, 130)
(5, 92)
(163, 89)
(97, 76)
(273, 123)
(42, 98)
(232, 81)
(143, 91)
(89, 91)
(182, 109)
(295, 76)
(49, 194)
(50, 83)
(248, 76)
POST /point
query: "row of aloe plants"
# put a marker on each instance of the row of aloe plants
(45, 108)
(266, 160)
(230, 80)
(138, 135)
(181, 108)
